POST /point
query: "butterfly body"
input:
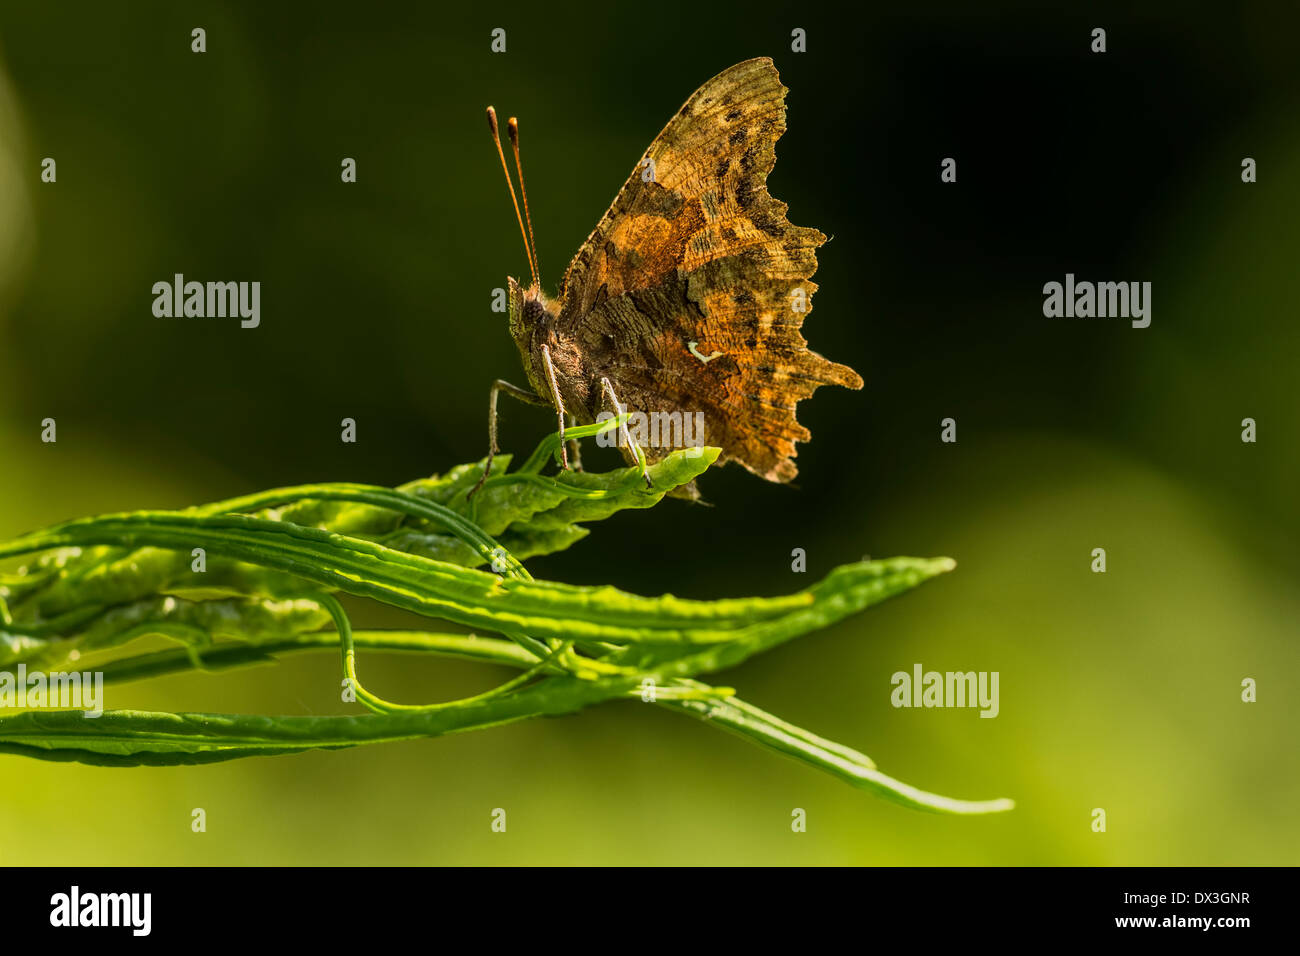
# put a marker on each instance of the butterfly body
(688, 296)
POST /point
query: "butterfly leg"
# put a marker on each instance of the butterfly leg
(559, 404)
(514, 391)
(633, 447)
(575, 447)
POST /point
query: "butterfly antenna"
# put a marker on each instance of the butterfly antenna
(496, 138)
(512, 127)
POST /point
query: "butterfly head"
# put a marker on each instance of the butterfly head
(532, 316)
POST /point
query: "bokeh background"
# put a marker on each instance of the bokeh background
(1119, 691)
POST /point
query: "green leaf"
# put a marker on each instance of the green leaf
(275, 558)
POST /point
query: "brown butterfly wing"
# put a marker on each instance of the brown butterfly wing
(702, 253)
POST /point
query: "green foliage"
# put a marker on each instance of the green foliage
(275, 562)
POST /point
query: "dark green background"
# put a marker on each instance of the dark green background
(1119, 691)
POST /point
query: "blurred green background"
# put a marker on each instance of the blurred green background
(1118, 691)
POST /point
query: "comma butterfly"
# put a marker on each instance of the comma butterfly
(689, 294)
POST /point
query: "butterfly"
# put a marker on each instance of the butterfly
(688, 296)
